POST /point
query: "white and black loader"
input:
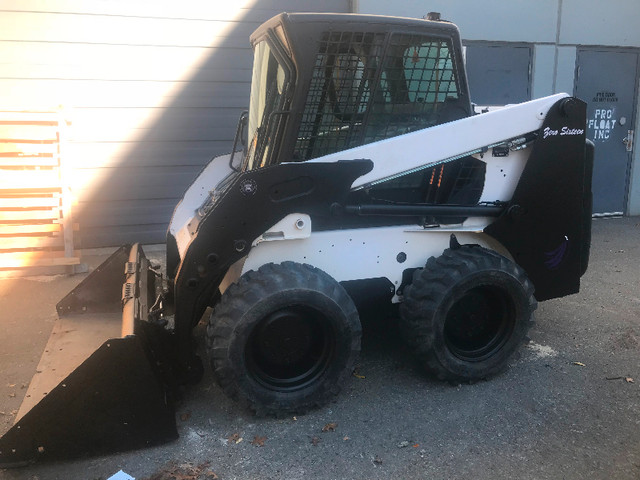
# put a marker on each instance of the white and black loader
(363, 165)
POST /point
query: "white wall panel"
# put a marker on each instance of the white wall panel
(543, 70)
(593, 22)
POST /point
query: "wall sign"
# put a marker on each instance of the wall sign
(602, 97)
(604, 117)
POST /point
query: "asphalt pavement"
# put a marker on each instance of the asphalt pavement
(568, 406)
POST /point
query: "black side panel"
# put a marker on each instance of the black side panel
(545, 228)
(587, 206)
(256, 201)
(113, 402)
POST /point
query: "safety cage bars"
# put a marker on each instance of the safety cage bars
(371, 86)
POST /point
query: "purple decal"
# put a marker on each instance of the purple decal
(555, 257)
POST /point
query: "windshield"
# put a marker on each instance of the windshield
(268, 89)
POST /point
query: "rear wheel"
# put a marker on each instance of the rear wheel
(466, 312)
(284, 339)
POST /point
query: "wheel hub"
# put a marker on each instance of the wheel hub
(290, 348)
(479, 323)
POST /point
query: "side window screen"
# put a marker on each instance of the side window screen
(350, 87)
(367, 87)
(429, 72)
(339, 96)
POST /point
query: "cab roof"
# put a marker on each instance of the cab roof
(295, 22)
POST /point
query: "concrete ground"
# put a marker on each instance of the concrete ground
(568, 407)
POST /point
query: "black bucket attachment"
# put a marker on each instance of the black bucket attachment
(103, 383)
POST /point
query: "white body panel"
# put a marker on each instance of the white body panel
(366, 252)
(292, 227)
(502, 175)
(194, 197)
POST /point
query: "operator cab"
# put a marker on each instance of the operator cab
(324, 83)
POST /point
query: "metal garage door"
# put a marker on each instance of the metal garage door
(498, 74)
(606, 80)
(154, 91)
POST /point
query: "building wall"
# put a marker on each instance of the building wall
(153, 90)
(556, 28)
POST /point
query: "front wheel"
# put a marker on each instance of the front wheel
(466, 312)
(284, 339)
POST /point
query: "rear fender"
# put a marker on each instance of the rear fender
(547, 224)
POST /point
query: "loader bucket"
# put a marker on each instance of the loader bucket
(101, 385)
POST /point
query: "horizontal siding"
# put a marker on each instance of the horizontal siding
(131, 183)
(236, 11)
(123, 62)
(116, 212)
(153, 92)
(142, 124)
(96, 29)
(146, 154)
(154, 67)
(91, 237)
(26, 93)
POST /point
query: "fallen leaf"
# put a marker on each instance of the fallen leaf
(377, 460)
(416, 445)
(580, 364)
(356, 373)
(235, 438)
(628, 379)
(11, 395)
(295, 419)
(330, 427)
(11, 385)
(346, 438)
(258, 441)
(315, 441)
(185, 416)
(185, 471)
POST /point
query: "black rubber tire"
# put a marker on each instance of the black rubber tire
(466, 312)
(284, 339)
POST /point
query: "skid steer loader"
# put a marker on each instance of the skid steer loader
(363, 166)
